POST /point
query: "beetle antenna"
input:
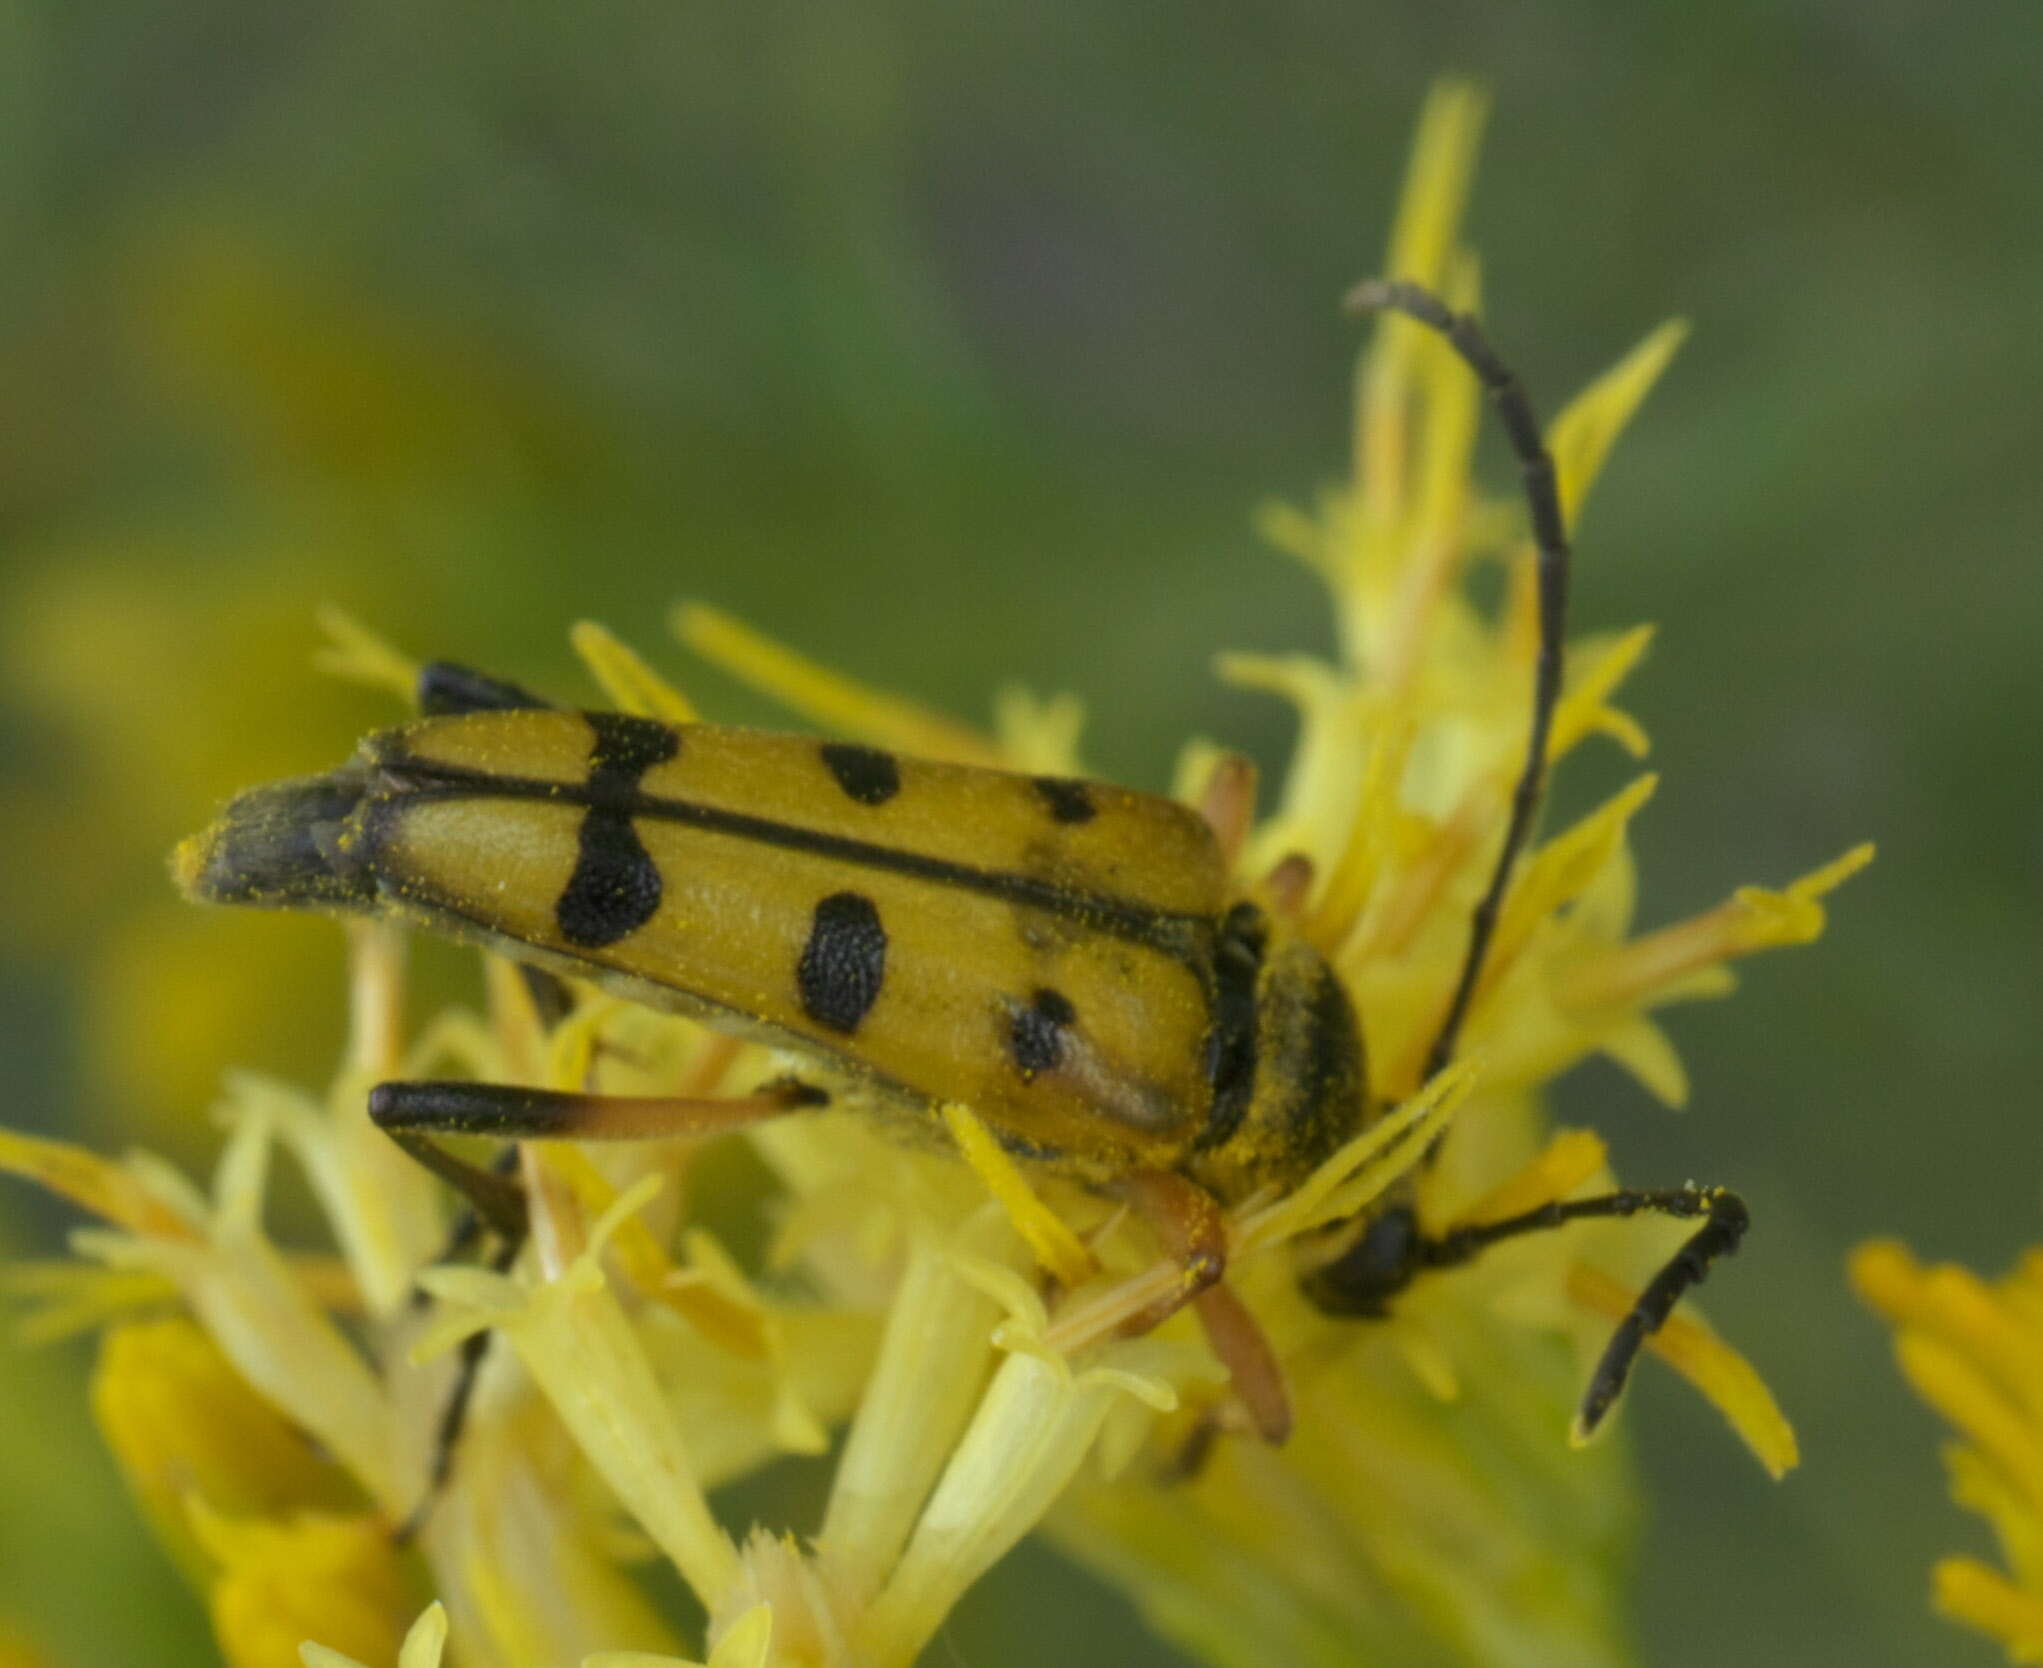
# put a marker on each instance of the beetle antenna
(1725, 1220)
(1550, 538)
(1392, 1252)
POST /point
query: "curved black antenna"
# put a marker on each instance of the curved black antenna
(1550, 537)
(1392, 1253)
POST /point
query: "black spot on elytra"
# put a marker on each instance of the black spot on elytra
(1069, 801)
(1035, 1036)
(626, 748)
(844, 962)
(864, 773)
(615, 887)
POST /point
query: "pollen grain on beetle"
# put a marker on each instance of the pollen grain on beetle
(963, 1339)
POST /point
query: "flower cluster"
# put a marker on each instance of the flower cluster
(1973, 1350)
(955, 1330)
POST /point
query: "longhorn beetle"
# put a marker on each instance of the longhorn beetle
(1066, 957)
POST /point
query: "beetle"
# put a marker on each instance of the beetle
(1068, 958)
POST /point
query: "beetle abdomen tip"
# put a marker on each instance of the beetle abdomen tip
(278, 846)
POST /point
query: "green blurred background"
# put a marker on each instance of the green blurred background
(957, 343)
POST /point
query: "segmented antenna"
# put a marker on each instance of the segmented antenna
(1550, 537)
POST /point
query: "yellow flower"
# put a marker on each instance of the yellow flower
(16, 1652)
(187, 1428)
(959, 1329)
(1974, 1352)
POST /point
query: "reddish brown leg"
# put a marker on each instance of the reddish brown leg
(1188, 1222)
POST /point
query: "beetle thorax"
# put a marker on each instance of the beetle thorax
(1291, 1083)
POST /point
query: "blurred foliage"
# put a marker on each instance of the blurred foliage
(927, 337)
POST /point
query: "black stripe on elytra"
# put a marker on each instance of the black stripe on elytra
(864, 773)
(615, 887)
(1183, 937)
(844, 962)
(1231, 1044)
(1069, 801)
(1035, 1035)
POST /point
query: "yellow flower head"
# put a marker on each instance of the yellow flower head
(978, 1340)
(1973, 1350)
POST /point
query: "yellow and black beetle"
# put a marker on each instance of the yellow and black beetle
(1067, 958)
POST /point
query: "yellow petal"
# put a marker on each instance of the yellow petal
(1571, 1158)
(1792, 916)
(64, 1299)
(1659, 966)
(1956, 1305)
(723, 1311)
(1034, 1427)
(582, 1349)
(17, 1652)
(1967, 1591)
(1953, 1383)
(746, 1641)
(1039, 734)
(931, 1364)
(1437, 181)
(1056, 1247)
(831, 699)
(252, 1302)
(1648, 1053)
(426, 1641)
(1584, 709)
(178, 1417)
(96, 1184)
(631, 684)
(1560, 871)
(1889, 1279)
(1581, 436)
(355, 654)
(1291, 530)
(308, 1576)
(1361, 1171)
(637, 1659)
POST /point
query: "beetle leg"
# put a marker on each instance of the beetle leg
(412, 1113)
(512, 1112)
(445, 688)
(1188, 1221)
(454, 1410)
(494, 1195)
(469, 1226)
